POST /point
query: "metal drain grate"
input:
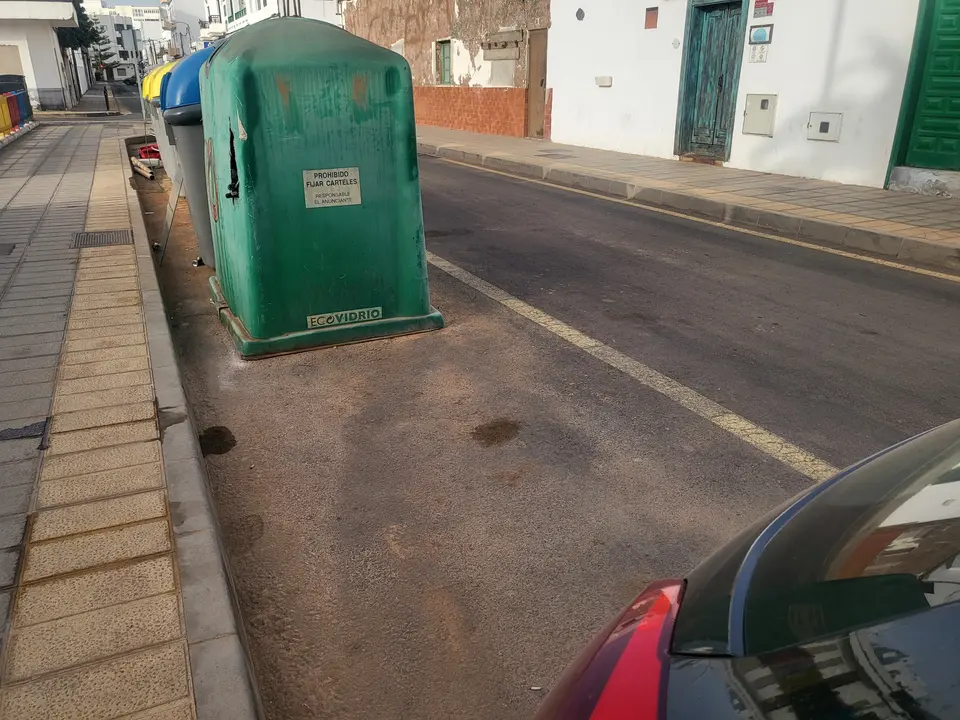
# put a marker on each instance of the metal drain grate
(101, 239)
(7, 248)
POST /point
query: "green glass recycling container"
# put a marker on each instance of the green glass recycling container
(314, 189)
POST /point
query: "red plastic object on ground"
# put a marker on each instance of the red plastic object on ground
(149, 152)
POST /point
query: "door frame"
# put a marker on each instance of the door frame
(682, 131)
(911, 87)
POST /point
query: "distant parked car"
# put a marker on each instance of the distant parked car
(842, 603)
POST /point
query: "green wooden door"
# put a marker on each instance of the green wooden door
(718, 44)
(935, 136)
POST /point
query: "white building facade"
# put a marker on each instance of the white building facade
(29, 48)
(812, 89)
(241, 13)
(147, 22)
(214, 26)
(122, 37)
(183, 22)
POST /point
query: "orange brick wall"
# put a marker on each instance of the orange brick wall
(496, 111)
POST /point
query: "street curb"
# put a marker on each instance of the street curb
(224, 683)
(71, 115)
(25, 130)
(926, 252)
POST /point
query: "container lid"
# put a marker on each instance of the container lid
(145, 83)
(183, 88)
(152, 91)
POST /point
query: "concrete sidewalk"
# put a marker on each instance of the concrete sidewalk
(913, 228)
(91, 105)
(114, 596)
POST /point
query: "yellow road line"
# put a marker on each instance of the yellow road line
(724, 226)
(765, 441)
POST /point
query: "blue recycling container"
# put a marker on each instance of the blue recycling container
(180, 104)
(26, 109)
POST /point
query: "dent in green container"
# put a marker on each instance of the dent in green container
(314, 189)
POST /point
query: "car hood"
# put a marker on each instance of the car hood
(877, 542)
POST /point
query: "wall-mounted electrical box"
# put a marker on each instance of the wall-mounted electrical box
(604, 80)
(503, 45)
(759, 115)
(824, 126)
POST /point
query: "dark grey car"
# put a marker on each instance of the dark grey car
(842, 603)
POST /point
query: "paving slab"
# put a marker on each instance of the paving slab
(74, 594)
(18, 473)
(93, 635)
(103, 382)
(80, 552)
(92, 461)
(28, 351)
(30, 339)
(86, 517)
(11, 530)
(115, 687)
(37, 376)
(15, 499)
(123, 395)
(27, 390)
(73, 371)
(20, 411)
(33, 363)
(101, 484)
(99, 417)
(8, 566)
(104, 327)
(76, 441)
(12, 451)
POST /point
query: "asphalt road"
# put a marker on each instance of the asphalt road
(839, 356)
(128, 99)
(432, 526)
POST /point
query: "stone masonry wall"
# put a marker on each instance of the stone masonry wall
(420, 23)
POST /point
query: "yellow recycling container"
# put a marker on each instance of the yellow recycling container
(152, 88)
(6, 124)
(145, 83)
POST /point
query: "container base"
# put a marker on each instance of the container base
(254, 348)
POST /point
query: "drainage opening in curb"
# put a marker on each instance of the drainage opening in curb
(101, 239)
(7, 248)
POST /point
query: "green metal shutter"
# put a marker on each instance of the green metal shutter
(935, 136)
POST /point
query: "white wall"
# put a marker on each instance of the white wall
(258, 10)
(638, 113)
(13, 34)
(189, 13)
(82, 70)
(59, 12)
(848, 56)
(471, 69)
(325, 10)
(40, 57)
(845, 56)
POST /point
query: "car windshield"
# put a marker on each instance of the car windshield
(880, 543)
